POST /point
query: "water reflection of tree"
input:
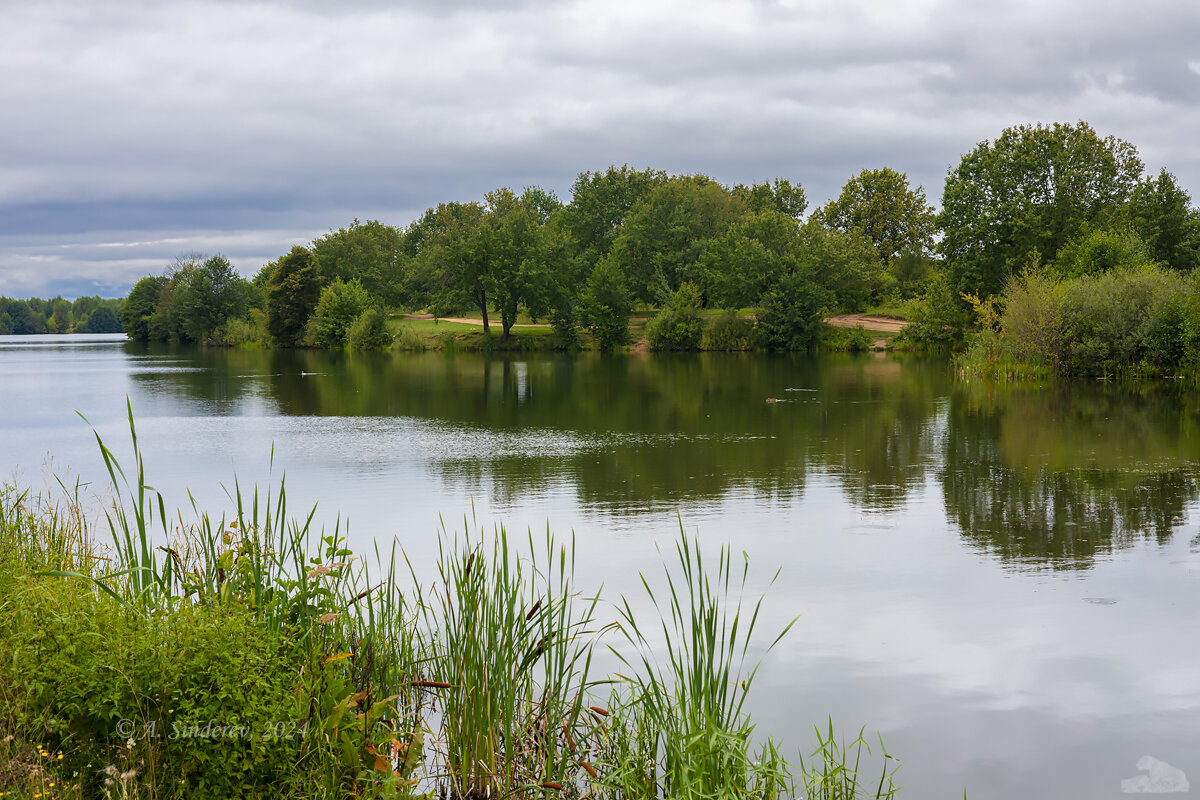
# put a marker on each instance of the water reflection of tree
(1066, 474)
(645, 432)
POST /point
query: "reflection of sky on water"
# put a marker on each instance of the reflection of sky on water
(1005, 677)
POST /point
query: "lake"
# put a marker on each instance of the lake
(1004, 584)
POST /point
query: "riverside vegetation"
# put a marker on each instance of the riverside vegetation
(251, 656)
(733, 268)
(1058, 197)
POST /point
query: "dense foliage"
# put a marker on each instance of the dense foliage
(83, 315)
(1058, 199)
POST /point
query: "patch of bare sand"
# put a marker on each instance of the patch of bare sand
(884, 324)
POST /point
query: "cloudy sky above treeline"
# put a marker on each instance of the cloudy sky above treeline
(135, 131)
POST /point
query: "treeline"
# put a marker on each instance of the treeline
(1062, 257)
(628, 239)
(1058, 198)
(83, 315)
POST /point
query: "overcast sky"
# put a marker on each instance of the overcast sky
(134, 131)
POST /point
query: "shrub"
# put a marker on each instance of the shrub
(728, 331)
(678, 325)
(565, 327)
(340, 305)
(369, 331)
(847, 340)
(790, 315)
(606, 306)
(939, 321)
(1034, 319)
(243, 331)
(1125, 320)
(82, 664)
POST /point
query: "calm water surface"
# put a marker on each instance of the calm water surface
(1004, 584)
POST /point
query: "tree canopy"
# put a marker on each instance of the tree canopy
(879, 204)
(1019, 199)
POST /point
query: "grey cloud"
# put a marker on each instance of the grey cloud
(221, 116)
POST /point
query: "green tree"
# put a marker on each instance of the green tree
(790, 317)
(1028, 193)
(102, 320)
(371, 253)
(678, 325)
(292, 294)
(600, 202)
(509, 245)
(846, 264)
(665, 234)
(59, 318)
(739, 266)
(561, 282)
(1161, 213)
(141, 306)
(339, 305)
(213, 293)
(451, 265)
(605, 306)
(781, 196)
(879, 204)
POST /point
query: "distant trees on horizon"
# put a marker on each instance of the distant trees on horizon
(1055, 197)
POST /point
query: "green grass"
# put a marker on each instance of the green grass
(899, 309)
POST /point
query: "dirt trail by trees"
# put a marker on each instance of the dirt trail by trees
(884, 324)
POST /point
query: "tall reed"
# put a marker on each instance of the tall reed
(695, 733)
(509, 653)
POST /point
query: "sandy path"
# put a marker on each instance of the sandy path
(885, 324)
(466, 321)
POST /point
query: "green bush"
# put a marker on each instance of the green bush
(728, 331)
(245, 331)
(115, 688)
(1034, 320)
(337, 309)
(939, 321)
(1125, 321)
(565, 325)
(849, 340)
(790, 317)
(606, 306)
(369, 331)
(678, 325)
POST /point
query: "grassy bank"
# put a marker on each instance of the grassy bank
(168, 654)
(719, 334)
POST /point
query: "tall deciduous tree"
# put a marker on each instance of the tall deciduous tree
(738, 267)
(140, 306)
(781, 196)
(1161, 213)
(661, 242)
(1025, 195)
(370, 252)
(292, 294)
(600, 202)
(880, 204)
